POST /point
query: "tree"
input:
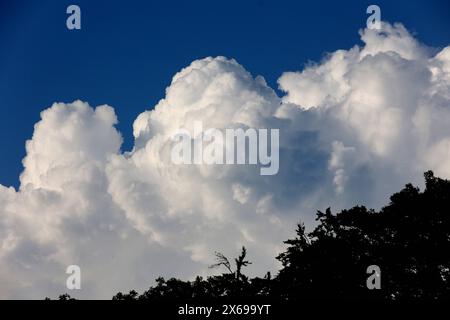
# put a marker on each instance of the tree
(409, 240)
(239, 262)
(233, 284)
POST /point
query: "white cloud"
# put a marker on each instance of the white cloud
(353, 129)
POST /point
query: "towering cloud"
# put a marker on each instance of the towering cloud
(353, 128)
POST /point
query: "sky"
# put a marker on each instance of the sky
(88, 116)
(127, 51)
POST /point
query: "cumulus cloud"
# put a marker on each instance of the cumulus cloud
(353, 128)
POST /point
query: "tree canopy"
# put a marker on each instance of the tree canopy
(409, 240)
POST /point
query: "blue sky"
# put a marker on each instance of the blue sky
(127, 51)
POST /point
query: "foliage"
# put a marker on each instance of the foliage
(409, 240)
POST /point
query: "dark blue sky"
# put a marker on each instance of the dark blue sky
(127, 51)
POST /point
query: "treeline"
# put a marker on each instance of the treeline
(408, 240)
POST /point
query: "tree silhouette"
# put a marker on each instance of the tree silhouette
(222, 261)
(233, 284)
(239, 261)
(409, 239)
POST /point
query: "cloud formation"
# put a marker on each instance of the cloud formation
(354, 128)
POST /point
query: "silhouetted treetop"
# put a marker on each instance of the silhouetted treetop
(409, 240)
